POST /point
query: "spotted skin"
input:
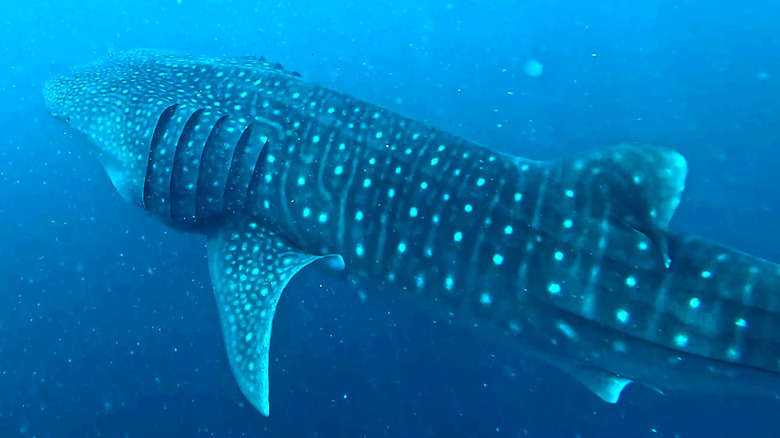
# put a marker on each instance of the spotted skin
(571, 259)
(248, 283)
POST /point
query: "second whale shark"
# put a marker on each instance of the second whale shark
(570, 259)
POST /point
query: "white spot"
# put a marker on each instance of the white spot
(413, 212)
(630, 281)
(498, 259)
(379, 134)
(733, 353)
(323, 217)
(622, 315)
(485, 298)
(315, 139)
(694, 303)
(434, 161)
(558, 256)
(457, 236)
(367, 183)
(468, 208)
(508, 230)
(567, 223)
(481, 182)
(401, 247)
(570, 193)
(306, 212)
(642, 246)
(359, 250)
(681, 340)
(706, 274)
(338, 170)
(740, 322)
(359, 215)
(518, 197)
(567, 330)
(449, 283)
(554, 288)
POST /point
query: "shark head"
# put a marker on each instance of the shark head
(128, 106)
(100, 102)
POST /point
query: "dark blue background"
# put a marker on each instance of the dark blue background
(107, 323)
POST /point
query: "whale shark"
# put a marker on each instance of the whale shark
(571, 260)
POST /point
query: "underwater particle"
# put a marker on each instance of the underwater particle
(533, 68)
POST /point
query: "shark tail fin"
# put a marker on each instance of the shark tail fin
(250, 267)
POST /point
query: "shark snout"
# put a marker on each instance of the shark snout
(58, 96)
(50, 95)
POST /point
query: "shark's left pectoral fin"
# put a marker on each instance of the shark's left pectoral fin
(604, 384)
(250, 266)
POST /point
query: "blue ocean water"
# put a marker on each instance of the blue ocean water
(107, 322)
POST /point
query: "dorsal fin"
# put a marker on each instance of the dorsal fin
(653, 176)
(643, 183)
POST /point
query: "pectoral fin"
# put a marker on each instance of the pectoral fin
(250, 266)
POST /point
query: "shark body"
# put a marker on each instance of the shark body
(570, 259)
